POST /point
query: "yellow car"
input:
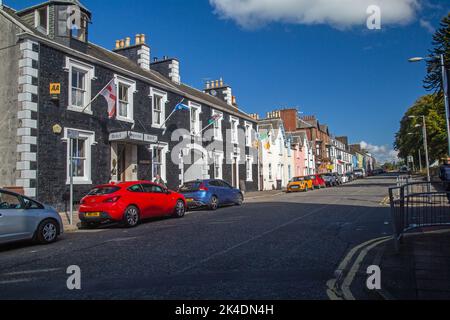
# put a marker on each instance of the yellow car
(300, 184)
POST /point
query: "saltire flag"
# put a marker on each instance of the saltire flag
(181, 106)
(109, 93)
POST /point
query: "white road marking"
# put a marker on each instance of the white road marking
(17, 273)
(15, 281)
(254, 238)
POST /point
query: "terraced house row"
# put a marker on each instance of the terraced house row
(292, 145)
(51, 111)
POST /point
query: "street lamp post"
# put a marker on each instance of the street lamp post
(420, 161)
(425, 143)
(445, 86)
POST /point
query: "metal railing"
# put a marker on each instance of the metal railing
(418, 205)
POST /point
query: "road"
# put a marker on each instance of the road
(282, 247)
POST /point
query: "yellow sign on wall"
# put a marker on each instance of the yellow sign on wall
(55, 88)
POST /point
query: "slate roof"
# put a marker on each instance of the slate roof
(122, 62)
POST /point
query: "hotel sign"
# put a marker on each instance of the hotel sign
(132, 137)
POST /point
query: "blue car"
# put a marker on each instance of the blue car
(210, 194)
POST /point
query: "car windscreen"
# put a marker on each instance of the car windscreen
(190, 187)
(298, 179)
(102, 191)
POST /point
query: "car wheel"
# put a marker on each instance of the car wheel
(214, 203)
(47, 232)
(131, 217)
(240, 200)
(180, 209)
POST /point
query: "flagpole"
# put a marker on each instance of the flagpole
(98, 94)
(171, 114)
(209, 125)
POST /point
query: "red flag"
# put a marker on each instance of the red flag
(109, 93)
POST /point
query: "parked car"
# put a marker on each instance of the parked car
(211, 194)
(338, 178)
(351, 177)
(130, 202)
(298, 184)
(359, 173)
(330, 180)
(344, 178)
(22, 218)
(317, 181)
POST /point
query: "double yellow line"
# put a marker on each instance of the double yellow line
(339, 287)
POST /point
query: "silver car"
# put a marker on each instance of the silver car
(22, 218)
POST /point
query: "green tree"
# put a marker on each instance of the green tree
(409, 139)
(441, 45)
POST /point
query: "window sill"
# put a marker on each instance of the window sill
(123, 119)
(80, 110)
(158, 126)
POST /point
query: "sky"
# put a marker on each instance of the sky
(316, 55)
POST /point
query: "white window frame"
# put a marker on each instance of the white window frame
(132, 89)
(221, 157)
(218, 137)
(37, 20)
(248, 133)
(89, 137)
(234, 130)
(164, 147)
(198, 107)
(90, 75)
(249, 171)
(163, 95)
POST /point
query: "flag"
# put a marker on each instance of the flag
(214, 118)
(110, 95)
(262, 136)
(181, 106)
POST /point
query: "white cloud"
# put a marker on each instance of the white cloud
(337, 13)
(383, 154)
(427, 25)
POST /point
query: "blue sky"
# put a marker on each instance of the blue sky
(356, 80)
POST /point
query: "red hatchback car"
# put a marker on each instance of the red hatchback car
(129, 203)
(318, 181)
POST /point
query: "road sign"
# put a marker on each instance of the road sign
(55, 88)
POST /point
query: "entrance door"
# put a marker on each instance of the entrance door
(198, 170)
(126, 162)
(121, 162)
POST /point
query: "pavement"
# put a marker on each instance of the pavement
(286, 246)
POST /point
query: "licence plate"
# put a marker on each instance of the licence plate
(93, 215)
(295, 187)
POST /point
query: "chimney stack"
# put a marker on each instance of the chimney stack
(219, 89)
(139, 52)
(168, 67)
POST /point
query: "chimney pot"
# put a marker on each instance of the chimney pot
(221, 82)
(142, 38)
(122, 43)
(138, 39)
(217, 83)
(207, 84)
(127, 41)
(117, 44)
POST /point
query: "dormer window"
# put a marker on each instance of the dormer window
(41, 20)
(79, 31)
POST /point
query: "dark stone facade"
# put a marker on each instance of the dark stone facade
(52, 185)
